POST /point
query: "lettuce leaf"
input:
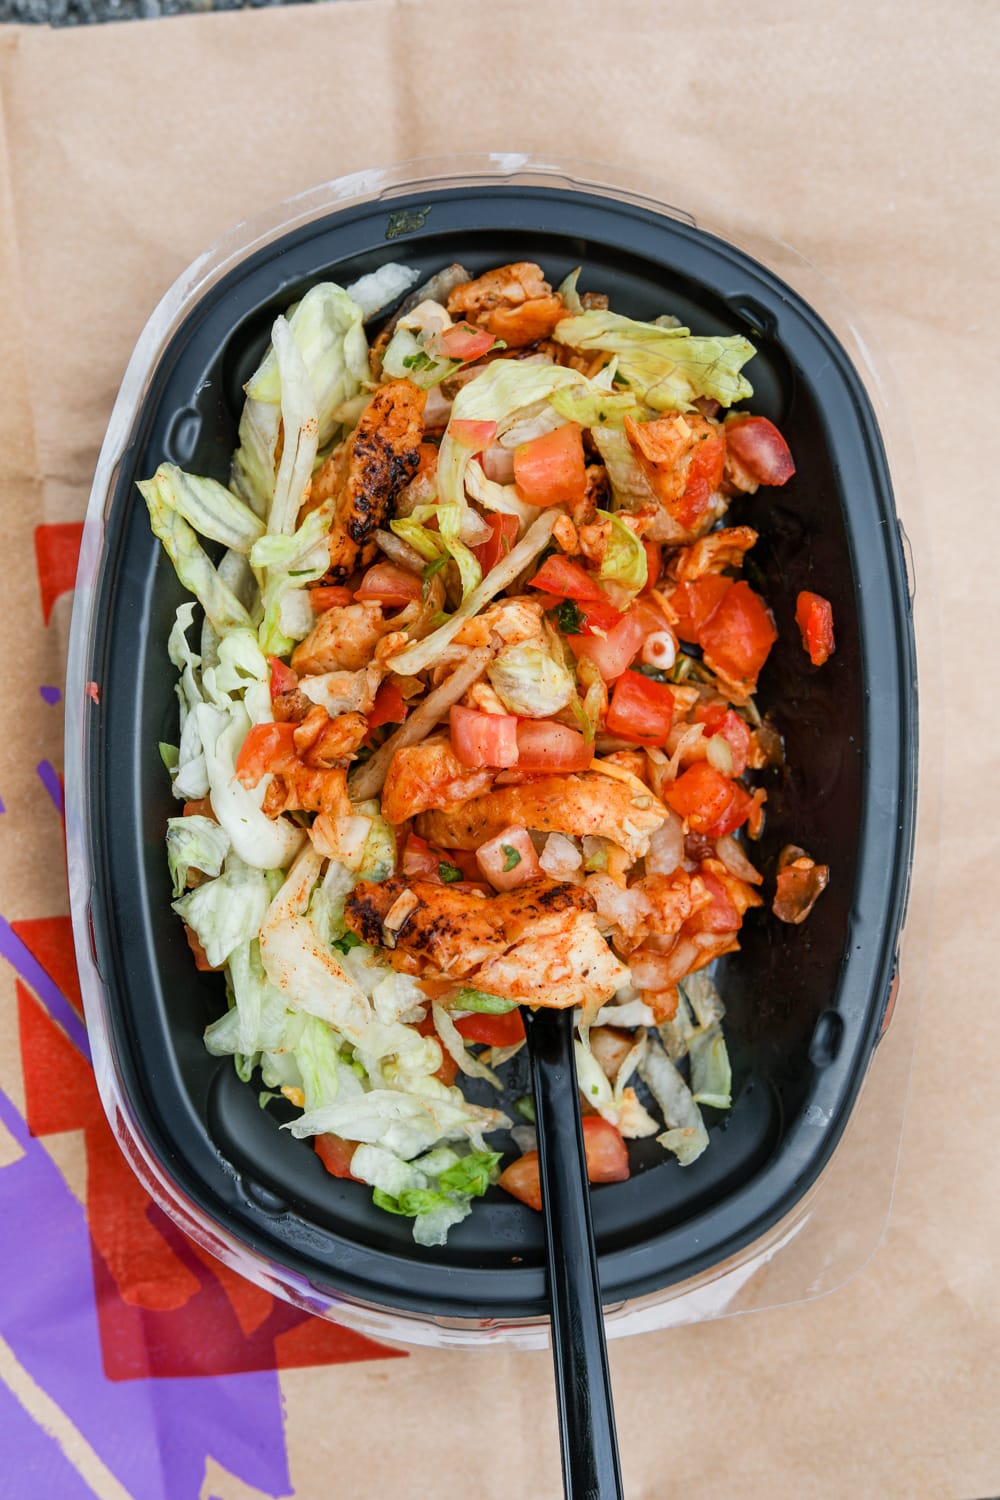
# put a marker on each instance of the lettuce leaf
(208, 506)
(667, 368)
(406, 358)
(194, 843)
(624, 560)
(226, 911)
(191, 562)
(259, 1020)
(530, 682)
(266, 843)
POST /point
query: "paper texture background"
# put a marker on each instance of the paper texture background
(863, 134)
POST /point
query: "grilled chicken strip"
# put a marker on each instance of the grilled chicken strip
(574, 805)
(368, 472)
(539, 944)
(514, 302)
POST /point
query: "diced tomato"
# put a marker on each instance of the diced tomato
(474, 435)
(704, 476)
(389, 706)
(711, 803)
(390, 584)
(522, 1180)
(720, 915)
(550, 470)
(607, 1161)
(508, 860)
(739, 635)
(327, 596)
(336, 1154)
(283, 678)
(200, 956)
(814, 617)
(641, 709)
(504, 531)
(719, 719)
(493, 1031)
(201, 808)
(419, 860)
(607, 1153)
(567, 580)
(598, 615)
(483, 739)
(267, 747)
(695, 603)
(612, 653)
(464, 343)
(543, 745)
(654, 562)
(758, 445)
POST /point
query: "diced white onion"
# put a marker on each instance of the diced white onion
(659, 650)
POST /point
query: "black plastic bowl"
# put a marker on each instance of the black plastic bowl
(805, 1004)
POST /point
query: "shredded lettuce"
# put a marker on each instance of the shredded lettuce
(686, 1135)
(436, 1190)
(375, 291)
(418, 655)
(194, 843)
(624, 560)
(596, 408)
(445, 542)
(191, 562)
(529, 681)
(667, 367)
(206, 505)
(226, 911)
(407, 358)
(259, 1020)
(266, 843)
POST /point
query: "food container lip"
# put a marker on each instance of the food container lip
(262, 237)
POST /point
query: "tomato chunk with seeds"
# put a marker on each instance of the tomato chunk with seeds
(543, 745)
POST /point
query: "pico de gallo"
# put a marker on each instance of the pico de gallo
(468, 722)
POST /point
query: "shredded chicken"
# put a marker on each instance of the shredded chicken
(510, 620)
(367, 473)
(343, 639)
(429, 775)
(574, 805)
(301, 788)
(515, 303)
(713, 553)
(323, 742)
(801, 882)
(539, 944)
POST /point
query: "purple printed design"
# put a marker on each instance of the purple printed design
(154, 1436)
(50, 779)
(52, 695)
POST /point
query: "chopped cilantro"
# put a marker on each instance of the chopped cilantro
(419, 361)
(449, 873)
(347, 942)
(511, 858)
(569, 617)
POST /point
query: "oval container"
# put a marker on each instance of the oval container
(805, 1005)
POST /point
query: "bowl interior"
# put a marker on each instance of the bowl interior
(804, 1003)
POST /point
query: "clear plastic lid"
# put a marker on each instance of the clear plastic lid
(832, 1229)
